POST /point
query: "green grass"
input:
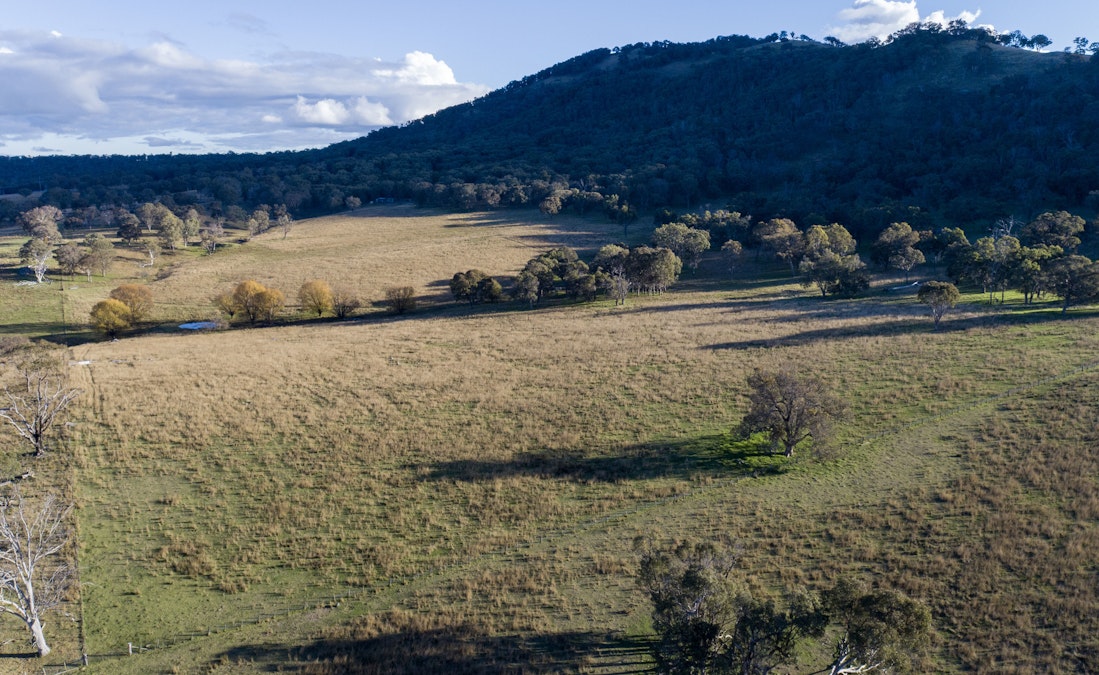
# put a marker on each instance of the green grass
(462, 486)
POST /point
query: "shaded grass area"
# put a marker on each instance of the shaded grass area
(401, 642)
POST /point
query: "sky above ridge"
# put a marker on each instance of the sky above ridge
(128, 77)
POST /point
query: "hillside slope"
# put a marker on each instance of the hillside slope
(947, 126)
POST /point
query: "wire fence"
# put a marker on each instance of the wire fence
(393, 584)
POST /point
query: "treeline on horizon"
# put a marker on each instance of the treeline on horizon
(935, 127)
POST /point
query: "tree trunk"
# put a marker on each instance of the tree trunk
(39, 637)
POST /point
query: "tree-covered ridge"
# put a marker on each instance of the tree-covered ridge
(956, 124)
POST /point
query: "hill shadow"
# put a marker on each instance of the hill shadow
(716, 454)
(907, 326)
(454, 650)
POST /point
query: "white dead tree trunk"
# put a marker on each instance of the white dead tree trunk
(27, 541)
(33, 410)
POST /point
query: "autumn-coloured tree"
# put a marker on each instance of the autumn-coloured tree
(315, 297)
(110, 316)
(256, 301)
(137, 298)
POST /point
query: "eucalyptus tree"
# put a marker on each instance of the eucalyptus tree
(32, 579)
(939, 296)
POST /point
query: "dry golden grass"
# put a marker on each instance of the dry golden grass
(370, 250)
(481, 472)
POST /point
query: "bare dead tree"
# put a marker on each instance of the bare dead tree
(33, 407)
(28, 540)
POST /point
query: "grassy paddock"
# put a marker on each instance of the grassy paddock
(468, 482)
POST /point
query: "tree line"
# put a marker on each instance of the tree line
(614, 272)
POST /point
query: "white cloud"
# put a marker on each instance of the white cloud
(325, 112)
(875, 18)
(90, 94)
(421, 68)
(371, 113)
(881, 18)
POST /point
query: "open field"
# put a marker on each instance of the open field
(459, 489)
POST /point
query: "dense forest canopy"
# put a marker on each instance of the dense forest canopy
(936, 126)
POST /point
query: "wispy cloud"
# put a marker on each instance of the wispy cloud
(60, 87)
(248, 23)
(867, 19)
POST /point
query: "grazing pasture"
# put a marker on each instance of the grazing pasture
(459, 488)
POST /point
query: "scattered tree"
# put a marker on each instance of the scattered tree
(878, 630)
(31, 581)
(790, 408)
(211, 235)
(1053, 228)
(258, 222)
(783, 238)
(705, 625)
(1030, 270)
(36, 254)
(256, 301)
(69, 258)
(39, 399)
(152, 249)
(129, 227)
(41, 223)
(316, 297)
(345, 302)
(284, 220)
(731, 251)
(939, 296)
(686, 242)
(688, 589)
(98, 254)
(192, 225)
(474, 286)
(653, 269)
(1074, 279)
(110, 317)
(896, 248)
(137, 298)
(400, 299)
(226, 304)
(526, 288)
(835, 274)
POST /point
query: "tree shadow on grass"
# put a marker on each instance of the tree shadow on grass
(714, 455)
(454, 650)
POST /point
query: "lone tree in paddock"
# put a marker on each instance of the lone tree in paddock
(939, 296)
(30, 582)
(38, 400)
(790, 408)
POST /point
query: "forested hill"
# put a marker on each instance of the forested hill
(950, 123)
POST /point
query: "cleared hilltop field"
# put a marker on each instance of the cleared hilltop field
(460, 488)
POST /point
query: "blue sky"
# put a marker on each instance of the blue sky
(107, 77)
